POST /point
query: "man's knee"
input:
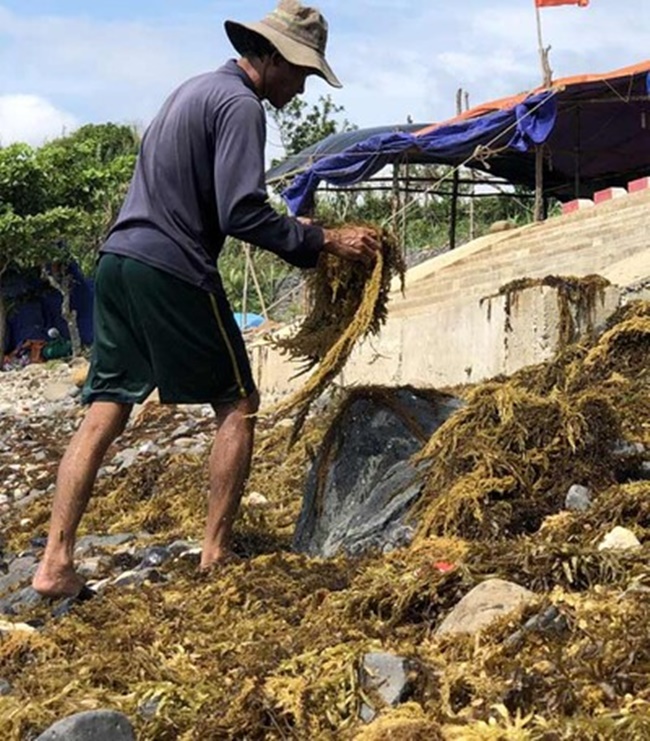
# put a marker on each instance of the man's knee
(245, 408)
(106, 420)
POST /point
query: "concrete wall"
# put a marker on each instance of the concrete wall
(450, 325)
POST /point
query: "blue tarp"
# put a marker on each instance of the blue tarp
(251, 320)
(518, 129)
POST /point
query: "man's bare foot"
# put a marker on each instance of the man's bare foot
(218, 559)
(57, 581)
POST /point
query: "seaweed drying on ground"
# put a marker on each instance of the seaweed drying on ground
(271, 648)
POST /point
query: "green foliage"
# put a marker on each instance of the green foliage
(85, 169)
(23, 183)
(56, 202)
(301, 126)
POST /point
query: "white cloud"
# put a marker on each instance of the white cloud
(31, 119)
(395, 57)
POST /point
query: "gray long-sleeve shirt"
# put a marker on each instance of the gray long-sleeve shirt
(199, 177)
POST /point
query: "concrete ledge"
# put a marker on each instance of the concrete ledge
(465, 341)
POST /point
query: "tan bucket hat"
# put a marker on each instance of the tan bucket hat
(298, 32)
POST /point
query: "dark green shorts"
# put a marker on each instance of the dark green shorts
(154, 330)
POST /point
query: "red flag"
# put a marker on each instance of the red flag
(551, 3)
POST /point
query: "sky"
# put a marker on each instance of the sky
(64, 63)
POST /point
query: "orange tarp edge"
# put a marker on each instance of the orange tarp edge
(512, 100)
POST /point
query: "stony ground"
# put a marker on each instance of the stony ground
(39, 411)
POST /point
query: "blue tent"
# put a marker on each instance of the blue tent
(592, 128)
(37, 307)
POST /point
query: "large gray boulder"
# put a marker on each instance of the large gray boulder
(362, 484)
(92, 725)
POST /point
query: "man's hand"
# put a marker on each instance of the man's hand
(357, 243)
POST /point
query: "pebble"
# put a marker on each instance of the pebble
(578, 498)
(619, 539)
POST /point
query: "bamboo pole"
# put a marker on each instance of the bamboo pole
(258, 288)
(244, 302)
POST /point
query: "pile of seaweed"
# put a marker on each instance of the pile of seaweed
(347, 302)
(271, 648)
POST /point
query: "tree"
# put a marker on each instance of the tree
(57, 202)
(301, 126)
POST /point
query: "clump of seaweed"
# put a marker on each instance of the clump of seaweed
(505, 461)
(348, 301)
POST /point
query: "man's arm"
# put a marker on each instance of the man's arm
(242, 200)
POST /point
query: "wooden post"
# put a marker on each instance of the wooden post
(455, 184)
(547, 72)
(577, 153)
(405, 209)
(547, 76)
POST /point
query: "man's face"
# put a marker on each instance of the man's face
(284, 81)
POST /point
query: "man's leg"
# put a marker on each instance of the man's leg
(230, 460)
(104, 421)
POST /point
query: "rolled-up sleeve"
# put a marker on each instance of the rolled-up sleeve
(240, 190)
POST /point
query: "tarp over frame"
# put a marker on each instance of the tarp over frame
(595, 128)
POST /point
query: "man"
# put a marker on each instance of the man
(161, 316)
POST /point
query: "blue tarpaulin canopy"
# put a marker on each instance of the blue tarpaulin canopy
(595, 130)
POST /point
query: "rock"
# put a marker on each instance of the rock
(90, 567)
(399, 537)
(178, 547)
(138, 578)
(79, 372)
(369, 486)
(68, 604)
(625, 449)
(8, 627)
(56, 391)
(20, 570)
(5, 688)
(125, 458)
(20, 601)
(391, 677)
(482, 605)
(148, 447)
(91, 725)
(154, 556)
(255, 499)
(88, 544)
(148, 708)
(578, 498)
(549, 621)
(620, 538)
